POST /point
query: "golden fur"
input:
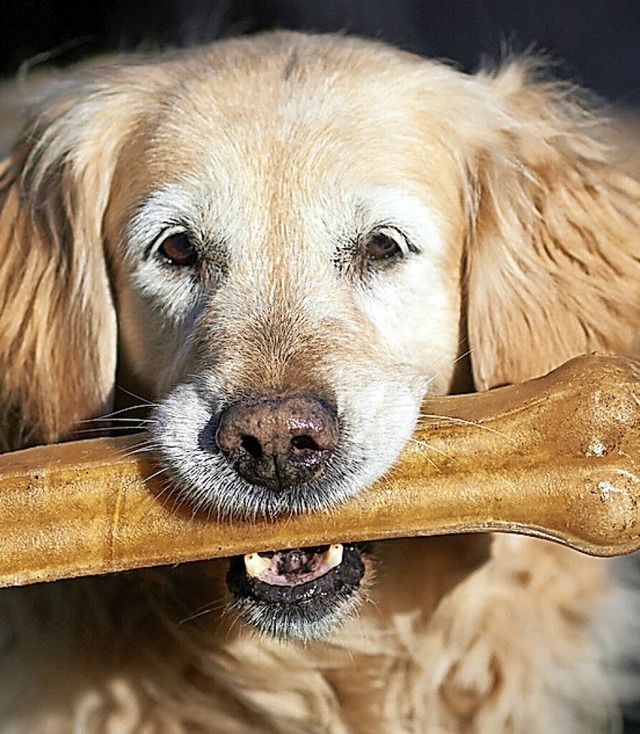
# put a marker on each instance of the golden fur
(532, 257)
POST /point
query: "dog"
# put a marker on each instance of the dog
(282, 244)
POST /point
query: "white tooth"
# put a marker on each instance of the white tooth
(255, 564)
(333, 556)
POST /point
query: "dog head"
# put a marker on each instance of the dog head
(288, 242)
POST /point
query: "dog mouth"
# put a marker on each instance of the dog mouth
(298, 593)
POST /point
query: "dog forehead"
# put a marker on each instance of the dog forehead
(313, 175)
(279, 149)
(289, 146)
(289, 113)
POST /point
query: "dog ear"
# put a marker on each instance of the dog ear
(553, 257)
(57, 319)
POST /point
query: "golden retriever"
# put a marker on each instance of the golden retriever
(283, 243)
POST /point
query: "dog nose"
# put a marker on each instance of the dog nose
(278, 442)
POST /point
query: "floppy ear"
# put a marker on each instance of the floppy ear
(553, 257)
(57, 320)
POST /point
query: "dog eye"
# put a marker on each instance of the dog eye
(385, 244)
(178, 249)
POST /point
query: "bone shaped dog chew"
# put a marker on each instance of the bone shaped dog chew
(555, 457)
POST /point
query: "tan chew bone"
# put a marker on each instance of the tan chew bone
(556, 457)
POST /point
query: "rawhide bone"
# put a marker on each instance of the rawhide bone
(555, 457)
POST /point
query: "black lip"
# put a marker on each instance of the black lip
(304, 611)
(345, 577)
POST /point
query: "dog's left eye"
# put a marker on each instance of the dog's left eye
(178, 249)
(385, 244)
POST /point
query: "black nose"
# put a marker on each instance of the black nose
(278, 442)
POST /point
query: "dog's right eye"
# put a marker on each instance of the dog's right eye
(386, 244)
(179, 250)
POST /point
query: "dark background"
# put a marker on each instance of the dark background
(596, 42)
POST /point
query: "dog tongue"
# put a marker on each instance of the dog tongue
(294, 566)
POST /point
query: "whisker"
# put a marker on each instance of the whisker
(155, 474)
(431, 461)
(461, 356)
(427, 445)
(165, 497)
(118, 420)
(136, 396)
(145, 446)
(103, 430)
(139, 450)
(213, 606)
(112, 415)
(464, 422)
(236, 621)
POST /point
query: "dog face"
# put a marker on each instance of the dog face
(291, 239)
(270, 259)
(283, 275)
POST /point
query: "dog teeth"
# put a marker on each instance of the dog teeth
(333, 556)
(256, 565)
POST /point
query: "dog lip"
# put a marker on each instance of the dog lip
(309, 582)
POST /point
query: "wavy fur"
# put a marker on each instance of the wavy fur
(534, 258)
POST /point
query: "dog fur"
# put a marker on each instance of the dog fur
(516, 236)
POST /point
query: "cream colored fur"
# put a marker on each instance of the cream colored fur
(274, 146)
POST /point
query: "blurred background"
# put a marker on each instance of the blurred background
(594, 42)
